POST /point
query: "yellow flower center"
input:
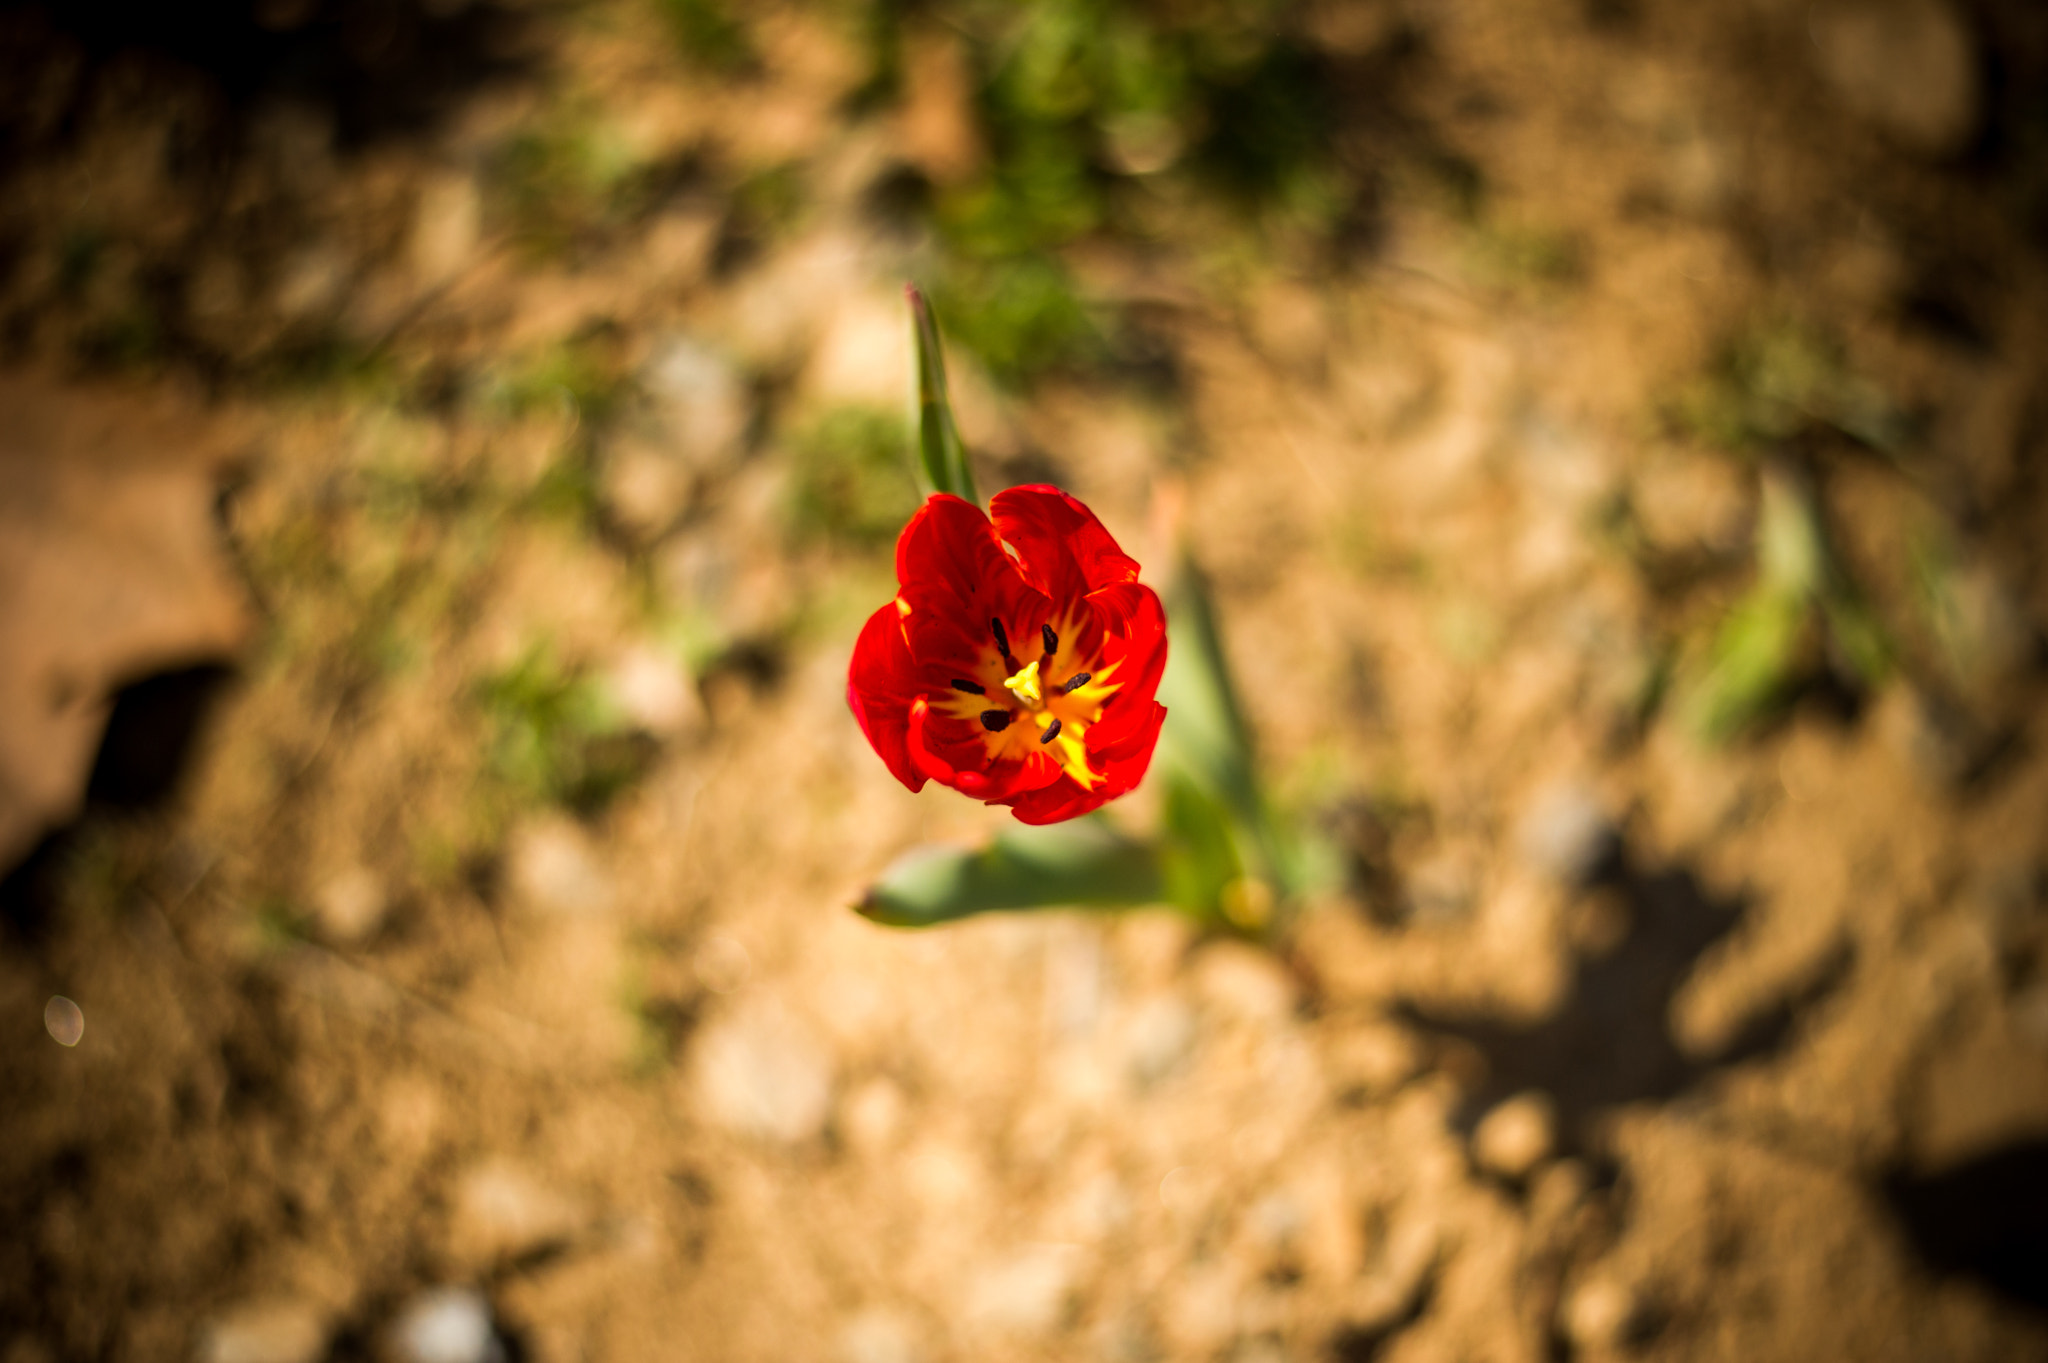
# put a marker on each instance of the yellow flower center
(1024, 686)
(1045, 706)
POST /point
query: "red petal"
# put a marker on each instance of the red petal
(881, 685)
(961, 760)
(956, 578)
(1057, 803)
(1131, 611)
(1063, 549)
(947, 557)
(1122, 767)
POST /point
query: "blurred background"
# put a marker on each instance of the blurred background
(448, 447)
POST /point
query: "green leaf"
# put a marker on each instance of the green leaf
(942, 459)
(1792, 556)
(1752, 664)
(1198, 853)
(1206, 740)
(1765, 648)
(1084, 863)
(1205, 731)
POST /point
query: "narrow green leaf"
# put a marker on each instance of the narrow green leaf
(942, 459)
(1205, 729)
(1752, 665)
(1084, 863)
(1792, 556)
(1198, 854)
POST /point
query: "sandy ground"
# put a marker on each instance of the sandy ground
(479, 976)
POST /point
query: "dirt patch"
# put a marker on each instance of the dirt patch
(1611, 432)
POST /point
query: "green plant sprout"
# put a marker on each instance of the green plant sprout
(555, 736)
(1773, 637)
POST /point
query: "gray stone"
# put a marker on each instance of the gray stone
(447, 1325)
(761, 1072)
(552, 869)
(503, 1211)
(701, 401)
(1567, 835)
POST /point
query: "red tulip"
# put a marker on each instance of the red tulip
(1019, 660)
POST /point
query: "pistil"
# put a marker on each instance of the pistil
(1024, 685)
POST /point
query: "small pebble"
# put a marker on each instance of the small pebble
(447, 1325)
(873, 1116)
(1027, 1293)
(552, 869)
(863, 355)
(1602, 1314)
(1516, 1136)
(504, 1211)
(655, 691)
(65, 1020)
(1371, 1060)
(702, 399)
(761, 1072)
(1567, 835)
(1159, 1036)
(350, 906)
(1243, 983)
(1275, 1221)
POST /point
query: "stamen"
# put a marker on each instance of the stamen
(1071, 684)
(971, 688)
(1002, 639)
(995, 721)
(1052, 641)
(1052, 731)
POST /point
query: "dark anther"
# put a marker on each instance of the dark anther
(1052, 731)
(971, 688)
(995, 721)
(1075, 683)
(1002, 639)
(1052, 641)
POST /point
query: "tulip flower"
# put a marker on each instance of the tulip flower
(1019, 661)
